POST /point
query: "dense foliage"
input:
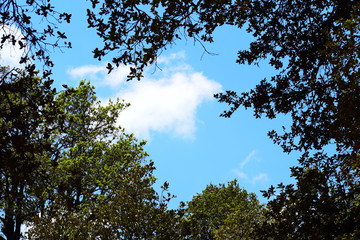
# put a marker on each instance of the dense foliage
(102, 183)
(313, 45)
(68, 172)
(27, 117)
(223, 212)
(324, 203)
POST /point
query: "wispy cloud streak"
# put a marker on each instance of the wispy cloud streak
(240, 173)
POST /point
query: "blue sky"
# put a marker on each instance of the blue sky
(174, 109)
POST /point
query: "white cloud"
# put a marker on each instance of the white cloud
(165, 101)
(167, 104)
(91, 71)
(9, 54)
(247, 159)
(261, 177)
(117, 76)
(172, 57)
(241, 175)
(99, 74)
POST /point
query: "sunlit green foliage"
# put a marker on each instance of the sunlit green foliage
(225, 211)
(102, 184)
(69, 172)
(313, 45)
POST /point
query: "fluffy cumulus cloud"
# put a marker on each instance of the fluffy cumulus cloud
(9, 54)
(167, 104)
(165, 101)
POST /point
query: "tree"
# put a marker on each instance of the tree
(27, 117)
(222, 212)
(313, 45)
(138, 31)
(324, 204)
(67, 171)
(102, 184)
(19, 26)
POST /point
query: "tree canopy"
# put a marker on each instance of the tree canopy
(27, 117)
(314, 47)
(313, 44)
(223, 211)
(323, 204)
(67, 171)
